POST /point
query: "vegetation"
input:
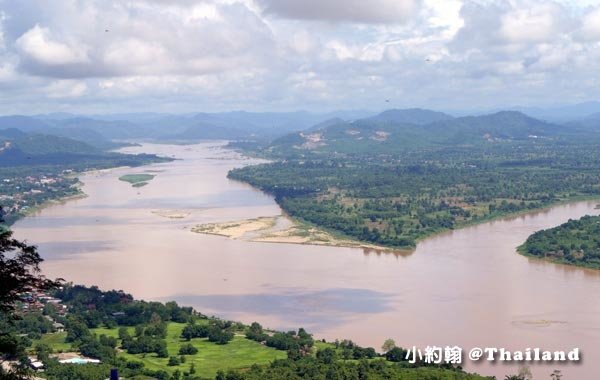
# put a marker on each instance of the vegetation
(152, 340)
(164, 341)
(398, 190)
(19, 270)
(35, 169)
(19, 273)
(137, 180)
(576, 242)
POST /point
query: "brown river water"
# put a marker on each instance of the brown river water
(467, 287)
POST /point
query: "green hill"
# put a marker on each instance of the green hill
(395, 131)
(416, 116)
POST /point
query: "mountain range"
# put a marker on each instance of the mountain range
(395, 130)
(343, 131)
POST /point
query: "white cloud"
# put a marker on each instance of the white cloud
(360, 11)
(591, 25)
(274, 54)
(533, 23)
(133, 54)
(2, 18)
(39, 45)
(66, 89)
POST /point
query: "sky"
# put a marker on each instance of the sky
(102, 56)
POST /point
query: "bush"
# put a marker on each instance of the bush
(188, 349)
(173, 361)
(216, 335)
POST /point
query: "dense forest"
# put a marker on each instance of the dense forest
(403, 187)
(576, 242)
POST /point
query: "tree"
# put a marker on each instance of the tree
(176, 375)
(188, 349)
(388, 345)
(396, 354)
(19, 269)
(43, 351)
(173, 361)
(19, 273)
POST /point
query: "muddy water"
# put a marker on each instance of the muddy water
(467, 288)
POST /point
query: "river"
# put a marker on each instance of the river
(467, 287)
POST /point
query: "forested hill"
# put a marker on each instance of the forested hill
(397, 131)
(576, 242)
(30, 149)
(393, 183)
(417, 116)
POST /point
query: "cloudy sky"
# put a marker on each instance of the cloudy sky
(215, 55)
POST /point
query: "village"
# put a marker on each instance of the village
(37, 302)
(20, 194)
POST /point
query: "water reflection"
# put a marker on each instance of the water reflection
(298, 307)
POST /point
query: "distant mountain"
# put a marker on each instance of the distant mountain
(86, 135)
(325, 124)
(386, 136)
(38, 144)
(590, 124)
(19, 149)
(562, 114)
(108, 129)
(36, 149)
(98, 130)
(411, 116)
(594, 116)
(503, 125)
(241, 125)
(11, 133)
(23, 123)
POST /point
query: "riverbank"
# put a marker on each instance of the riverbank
(281, 229)
(571, 243)
(333, 292)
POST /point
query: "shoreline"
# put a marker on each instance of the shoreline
(320, 236)
(49, 203)
(523, 252)
(64, 199)
(264, 229)
(337, 240)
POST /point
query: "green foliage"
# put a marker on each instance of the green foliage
(324, 367)
(19, 273)
(188, 349)
(219, 336)
(396, 200)
(576, 242)
(173, 361)
(137, 180)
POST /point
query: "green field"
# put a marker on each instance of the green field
(56, 341)
(238, 354)
(137, 180)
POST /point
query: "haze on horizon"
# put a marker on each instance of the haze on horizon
(280, 55)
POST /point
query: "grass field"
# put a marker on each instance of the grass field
(211, 357)
(56, 341)
(137, 180)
